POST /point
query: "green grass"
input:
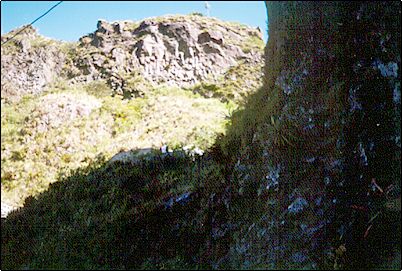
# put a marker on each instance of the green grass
(31, 158)
(237, 83)
(253, 43)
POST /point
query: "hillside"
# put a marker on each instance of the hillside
(305, 175)
(63, 104)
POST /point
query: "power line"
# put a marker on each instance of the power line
(32, 23)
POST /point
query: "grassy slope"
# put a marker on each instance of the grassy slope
(98, 216)
(106, 209)
(39, 142)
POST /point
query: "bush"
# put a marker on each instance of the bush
(196, 14)
(98, 89)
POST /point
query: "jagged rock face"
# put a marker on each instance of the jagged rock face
(320, 159)
(27, 67)
(178, 50)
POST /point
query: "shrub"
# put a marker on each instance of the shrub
(196, 14)
(98, 88)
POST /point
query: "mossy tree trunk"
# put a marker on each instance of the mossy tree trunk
(341, 61)
(321, 139)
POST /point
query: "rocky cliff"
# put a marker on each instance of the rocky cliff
(176, 50)
(28, 63)
(180, 50)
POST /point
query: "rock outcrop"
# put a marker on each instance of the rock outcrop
(176, 50)
(179, 50)
(28, 63)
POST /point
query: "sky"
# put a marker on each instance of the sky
(72, 19)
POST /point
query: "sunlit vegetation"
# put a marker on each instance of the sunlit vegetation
(67, 127)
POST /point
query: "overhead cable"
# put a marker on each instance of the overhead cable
(32, 23)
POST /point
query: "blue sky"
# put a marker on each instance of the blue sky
(73, 19)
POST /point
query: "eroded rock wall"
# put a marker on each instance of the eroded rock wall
(28, 63)
(178, 50)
